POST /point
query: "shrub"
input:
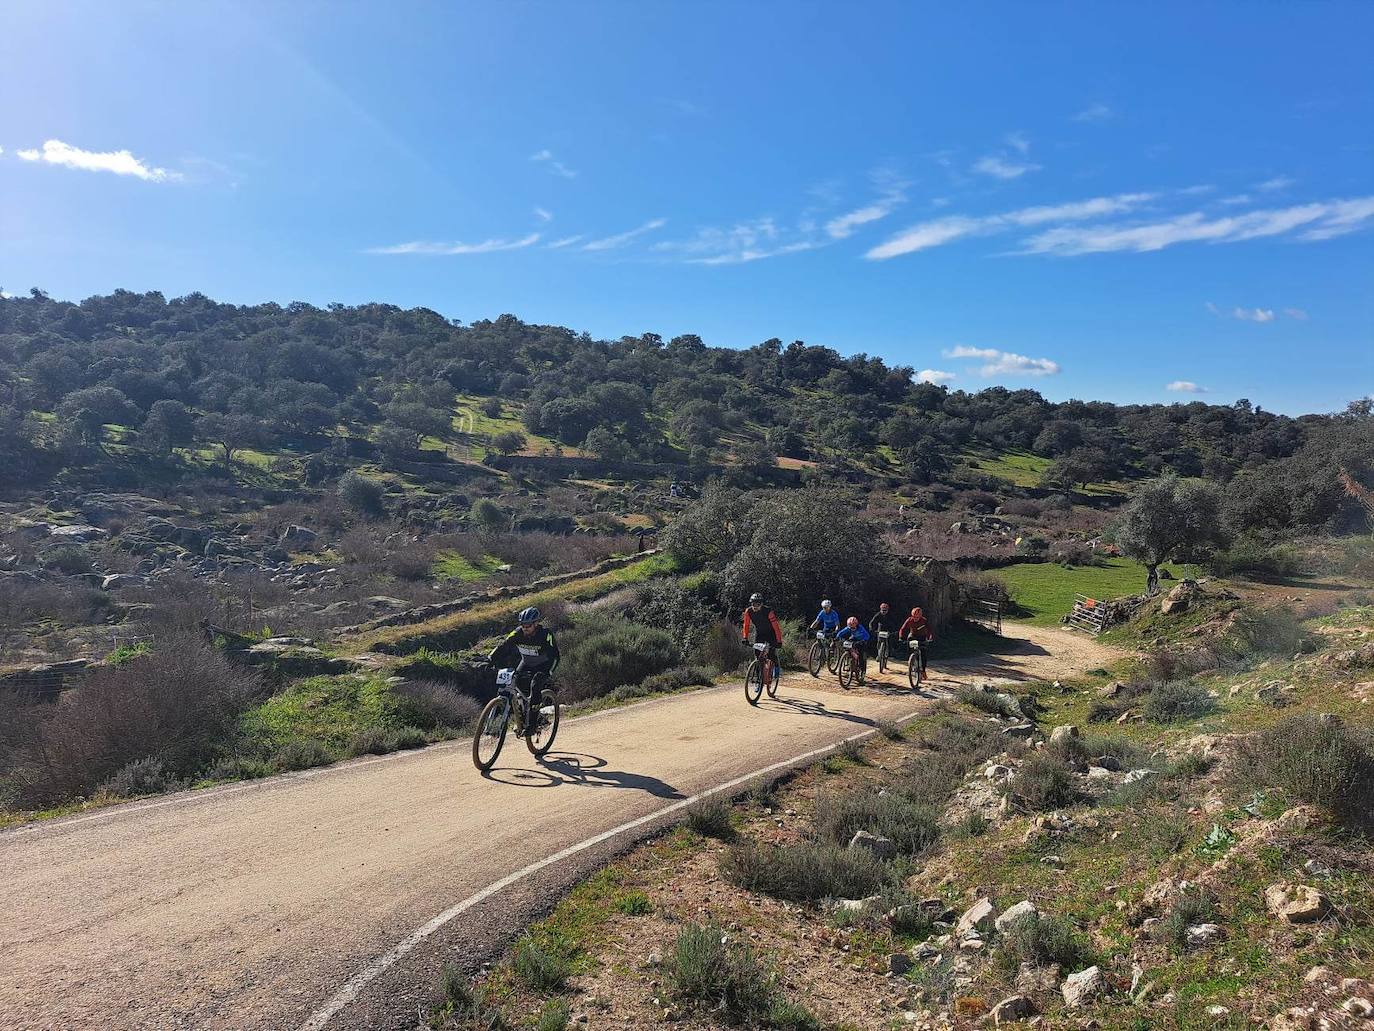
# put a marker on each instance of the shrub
(371, 741)
(1041, 939)
(1176, 701)
(1042, 783)
(406, 738)
(1315, 759)
(1088, 747)
(719, 649)
(432, 706)
(544, 963)
(178, 705)
(141, 777)
(1276, 630)
(634, 903)
(955, 747)
(361, 494)
(607, 653)
(711, 819)
(708, 973)
(666, 603)
(911, 826)
(1254, 557)
(1020, 507)
(486, 515)
(1193, 906)
(891, 731)
(66, 558)
(302, 754)
(804, 872)
(853, 751)
(989, 701)
(675, 679)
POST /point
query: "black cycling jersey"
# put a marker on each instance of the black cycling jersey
(534, 651)
(888, 621)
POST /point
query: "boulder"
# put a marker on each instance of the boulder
(898, 963)
(1180, 599)
(1083, 988)
(878, 846)
(1063, 733)
(119, 581)
(997, 773)
(1199, 936)
(1032, 978)
(1136, 775)
(77, 534)
(980, 917)
(1023, 908)
(299, 536)
(1020, 731)
(1108, 762)
(1013, 1008)
(1296, 903)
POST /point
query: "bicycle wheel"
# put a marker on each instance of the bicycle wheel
(753, 682)
(815, 659)
(861, 671)
(882, 656)
(832, 658)
(774, 675)
(543, 726)
(913, 670)
(846, 671)
(490, 734)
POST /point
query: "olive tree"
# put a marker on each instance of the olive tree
(1169, 518)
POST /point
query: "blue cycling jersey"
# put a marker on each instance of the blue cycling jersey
(828, 620)
(859, 633)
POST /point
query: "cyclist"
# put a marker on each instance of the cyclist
(534, 646)
(883, 619)
(827, 619)
(767, 630)
(854, 630)
(916, 632)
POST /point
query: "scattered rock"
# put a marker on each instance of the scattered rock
(1019, 730)
(78, 534)
(1108, 762)
(1359, 1008)
(980, 916)
(1082, 988)
(1316, 868)
(1296, 903)
(1022, 909)
(1136, 775)
(1316, 974)
(1016, 1007)
(878, 846)
(997, 773)
(855, 905)
(1032, 978)
(1217, 1011)
(1063, 733)
(1295, 1018)
(1199, 936)
(898, 963)
(119, 581)
(299, 536)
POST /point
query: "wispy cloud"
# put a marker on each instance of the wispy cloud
(1318, 221)
(543, 214)
(1279, 182)
(933, 376)
(891, 196)
(555, 166)
(607, 243)
(1004, 363)
(1019, 141)
(436, 247)
(952, 227)
(1094, 113)
(1238, 199)
(1253, 314)
(566, 241)
(1000, 167)
(119, 162)
(1185, 386)
(742, 242)
(1260, 315)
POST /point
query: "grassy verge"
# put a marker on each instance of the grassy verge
(1045, 590)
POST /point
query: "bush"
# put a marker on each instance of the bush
(371, 741)
(361, 494)
(1194, 906)
(675, 679)
(708, 973)
(1041, 939)
(634, 903)
(302, 754)
(911, 826)
(664, 602)
(66, 558)
(177, 705)
(544, 963)
(711, 819)
(607, 652)
(804, 872)
(1042, 783)
(1176, 701)
(955, 747)
(1255, 558)
(1315, 759)
(1276, 630)
(141, 777)
(1089, 747)
(989, 701)
(434, 706)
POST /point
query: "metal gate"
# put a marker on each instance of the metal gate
(1088, 615)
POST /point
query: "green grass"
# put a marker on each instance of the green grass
(1017, 467)
(450, 565)
(1045, 590)
(327, 710)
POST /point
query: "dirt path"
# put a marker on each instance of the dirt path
(330, 898)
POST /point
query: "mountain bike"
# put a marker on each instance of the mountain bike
(759, 674)
(823, 653)
(882, 650)
(914, 673)
(534, 718)
(852, 663)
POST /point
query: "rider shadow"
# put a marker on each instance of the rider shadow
(578, 768)
(810, 708)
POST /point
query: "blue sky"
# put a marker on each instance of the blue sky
(1095, 200)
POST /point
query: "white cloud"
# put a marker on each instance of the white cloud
(435, 247)
(1185, 386)
(1322, 220)
(120, 162)
(999, 167)
(753, 254)
(944, 230)
(1004, 363)
(1279, 182)
(743, 242)
(892, 195)
(933, 376)
(1094, 113)
(1019, 141)
(1296, 313)
(557, 167)
(620, 239)
(543, 214)
(1240, 198)
(567, 241)
(1253, 314)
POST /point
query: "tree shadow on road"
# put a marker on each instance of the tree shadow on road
(560, 768)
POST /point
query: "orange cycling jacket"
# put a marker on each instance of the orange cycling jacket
(765, 627)
(916, 628)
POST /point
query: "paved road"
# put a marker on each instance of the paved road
(271, 905)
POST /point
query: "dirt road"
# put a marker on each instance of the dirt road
(329, 898)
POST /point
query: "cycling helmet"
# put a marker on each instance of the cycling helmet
(756, 597)
(529, 615)
(825, 604)
(884, 605)
(915, 612)
(852, 621)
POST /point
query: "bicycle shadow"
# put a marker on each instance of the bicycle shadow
(809, 708)
(582, 770)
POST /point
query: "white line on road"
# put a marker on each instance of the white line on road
(350, 991)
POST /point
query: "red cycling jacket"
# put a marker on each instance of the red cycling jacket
(915, 627)
(763, 628)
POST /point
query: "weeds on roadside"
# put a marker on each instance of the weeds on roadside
(554, 1016)
(891, 731)
(634, 903)
(853, 751)
(804, 872)
(543, 963)
(713, 974)
(465, 1007)
(910, 825)
(712, 819)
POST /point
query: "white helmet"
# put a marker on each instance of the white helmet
(825, 604)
